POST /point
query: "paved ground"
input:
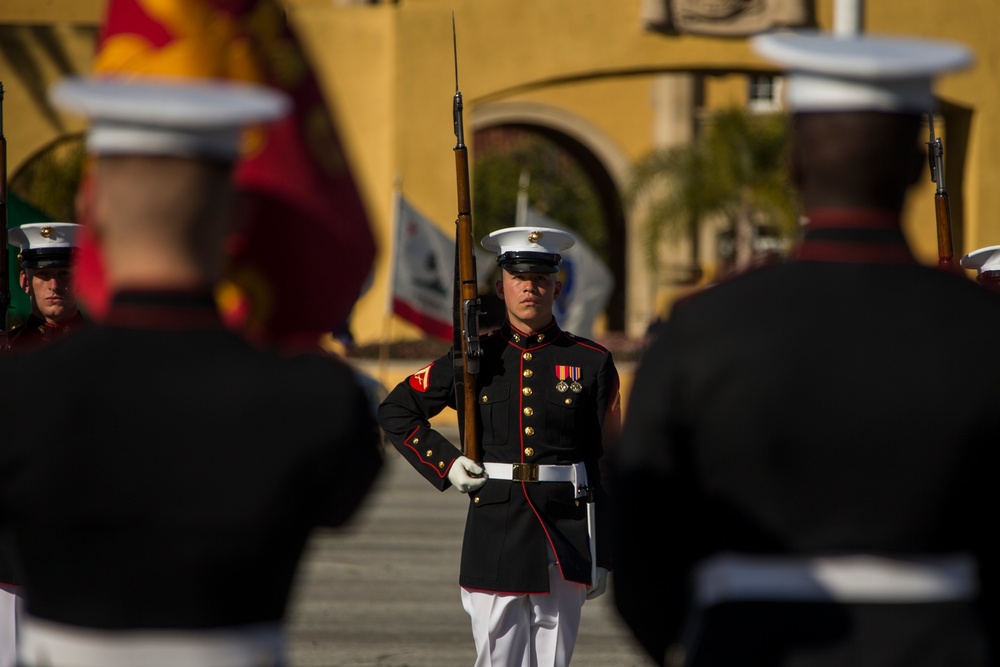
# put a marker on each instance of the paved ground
(384, 591)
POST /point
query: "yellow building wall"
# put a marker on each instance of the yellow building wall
(587, 67)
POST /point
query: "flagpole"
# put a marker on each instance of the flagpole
(848, 18)
(383, 352)
(521, 217)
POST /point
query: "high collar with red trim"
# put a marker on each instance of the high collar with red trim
(176, 310)
(860, 236)
(54, 328)
(527, 341)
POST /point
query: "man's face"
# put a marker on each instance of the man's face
(51, 293)
(528, 298)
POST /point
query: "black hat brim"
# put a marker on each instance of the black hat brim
(528, 267)
(521, 261)
(54, 258)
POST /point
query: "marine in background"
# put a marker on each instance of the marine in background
(986, 263)
(45, 274)
(45, 255)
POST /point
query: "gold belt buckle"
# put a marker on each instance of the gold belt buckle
(525, 472)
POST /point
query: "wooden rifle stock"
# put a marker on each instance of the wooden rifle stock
(466, 333)
(942, 208)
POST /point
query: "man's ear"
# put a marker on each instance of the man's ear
(22, 277)
(499, 286)
(557, 289)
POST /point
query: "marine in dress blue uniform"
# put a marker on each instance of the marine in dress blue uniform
(161, 520)
(810, 441)
(547, 401)
(44, 249)
(986, 262)
(47, 247)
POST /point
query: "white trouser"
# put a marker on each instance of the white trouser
(11, 606)
(526, 630)
(48, 644)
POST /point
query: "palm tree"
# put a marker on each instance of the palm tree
(734, 170)
(50, 179)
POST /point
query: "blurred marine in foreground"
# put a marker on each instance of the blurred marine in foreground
(811, 441)
(162, 518)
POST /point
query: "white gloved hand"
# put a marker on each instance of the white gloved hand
(598, 587)
(466, 475)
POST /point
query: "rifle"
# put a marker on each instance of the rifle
(942, 208)
(465, 340)
(4, 257)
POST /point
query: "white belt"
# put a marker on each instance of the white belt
(575, 473)
(860, 578)
(58, 645)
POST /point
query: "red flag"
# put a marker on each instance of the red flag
(306, 247)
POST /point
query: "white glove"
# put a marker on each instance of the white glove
(598, 587)
(466, 475)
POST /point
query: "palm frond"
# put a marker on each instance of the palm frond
(739, 159)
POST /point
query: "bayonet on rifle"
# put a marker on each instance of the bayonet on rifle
(466, 335)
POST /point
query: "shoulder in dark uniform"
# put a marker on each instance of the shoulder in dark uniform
(24, 336)
(33, 333)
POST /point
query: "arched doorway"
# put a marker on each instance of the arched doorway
(562, 148)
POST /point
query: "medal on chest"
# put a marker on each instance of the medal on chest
(568, 373)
